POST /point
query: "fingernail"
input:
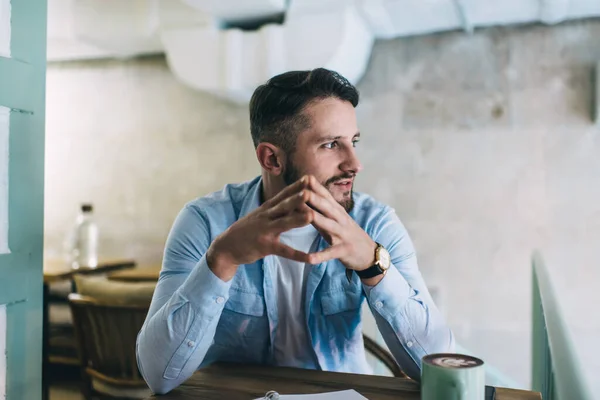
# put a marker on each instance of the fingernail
(303, 179)
(301, 193)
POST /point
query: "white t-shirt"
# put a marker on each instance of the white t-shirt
(291, 344)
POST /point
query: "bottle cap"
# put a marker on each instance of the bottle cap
(86, 208)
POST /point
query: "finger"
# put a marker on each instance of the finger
(325, 205)
(305, 208)
(284, 251)
(290, 190)
(291, 221)
(329, 253)
(326, 225)
(316, 186)
(288, 205)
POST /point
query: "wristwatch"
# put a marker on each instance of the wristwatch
(382, 264)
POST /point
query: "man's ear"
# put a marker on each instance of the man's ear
(271, 158)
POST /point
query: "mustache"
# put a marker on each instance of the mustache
(339, 178)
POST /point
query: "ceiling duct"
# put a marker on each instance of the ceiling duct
(209, 44)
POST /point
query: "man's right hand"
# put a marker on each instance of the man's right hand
(256, 235)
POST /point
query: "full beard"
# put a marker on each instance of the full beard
(291, 174)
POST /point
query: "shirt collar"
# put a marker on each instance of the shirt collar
(252, 199)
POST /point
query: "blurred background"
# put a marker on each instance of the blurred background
(478, 121)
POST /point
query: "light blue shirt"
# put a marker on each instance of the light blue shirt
(196, 319)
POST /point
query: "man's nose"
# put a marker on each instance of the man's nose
(351, 163)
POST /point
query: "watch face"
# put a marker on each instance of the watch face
(384, 258)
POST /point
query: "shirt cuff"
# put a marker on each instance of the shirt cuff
(205, 291)
(390, 294)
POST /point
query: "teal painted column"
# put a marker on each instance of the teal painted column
(22, 90)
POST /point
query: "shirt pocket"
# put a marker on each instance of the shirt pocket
(243, 330)
(339, 301)
(341, 311)
(245, 303)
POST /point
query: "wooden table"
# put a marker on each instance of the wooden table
(57, 270)
(137, 274)
(248, 382)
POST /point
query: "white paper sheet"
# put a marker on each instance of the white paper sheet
(5, 28)
(4, 134)
(340, 395)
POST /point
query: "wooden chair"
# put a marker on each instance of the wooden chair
(383, 356)
(106, 335)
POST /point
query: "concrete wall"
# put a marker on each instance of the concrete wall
(484, 144)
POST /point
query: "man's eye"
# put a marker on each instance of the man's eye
(355, 142)
(330, 145)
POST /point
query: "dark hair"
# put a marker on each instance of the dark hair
(276, 108)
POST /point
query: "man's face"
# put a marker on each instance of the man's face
(327, 149)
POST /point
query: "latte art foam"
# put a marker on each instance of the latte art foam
(452, 360)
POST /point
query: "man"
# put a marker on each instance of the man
(274, 271)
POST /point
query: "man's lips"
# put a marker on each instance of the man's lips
(344, 182)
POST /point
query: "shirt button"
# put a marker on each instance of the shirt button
(191, 343)
(409, 344)
(220, 300)
(379, 304)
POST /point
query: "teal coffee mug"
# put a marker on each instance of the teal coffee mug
(447, 376)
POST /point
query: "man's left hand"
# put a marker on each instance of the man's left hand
(348, 241)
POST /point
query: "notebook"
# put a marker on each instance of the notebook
(340, 395)
(490, 394)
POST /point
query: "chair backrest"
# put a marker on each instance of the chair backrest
(373, 348)
(106, 335)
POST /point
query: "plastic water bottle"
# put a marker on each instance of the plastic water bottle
(82, 245)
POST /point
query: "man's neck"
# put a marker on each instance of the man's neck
(271, 185)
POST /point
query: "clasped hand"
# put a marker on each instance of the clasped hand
(305, 202)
